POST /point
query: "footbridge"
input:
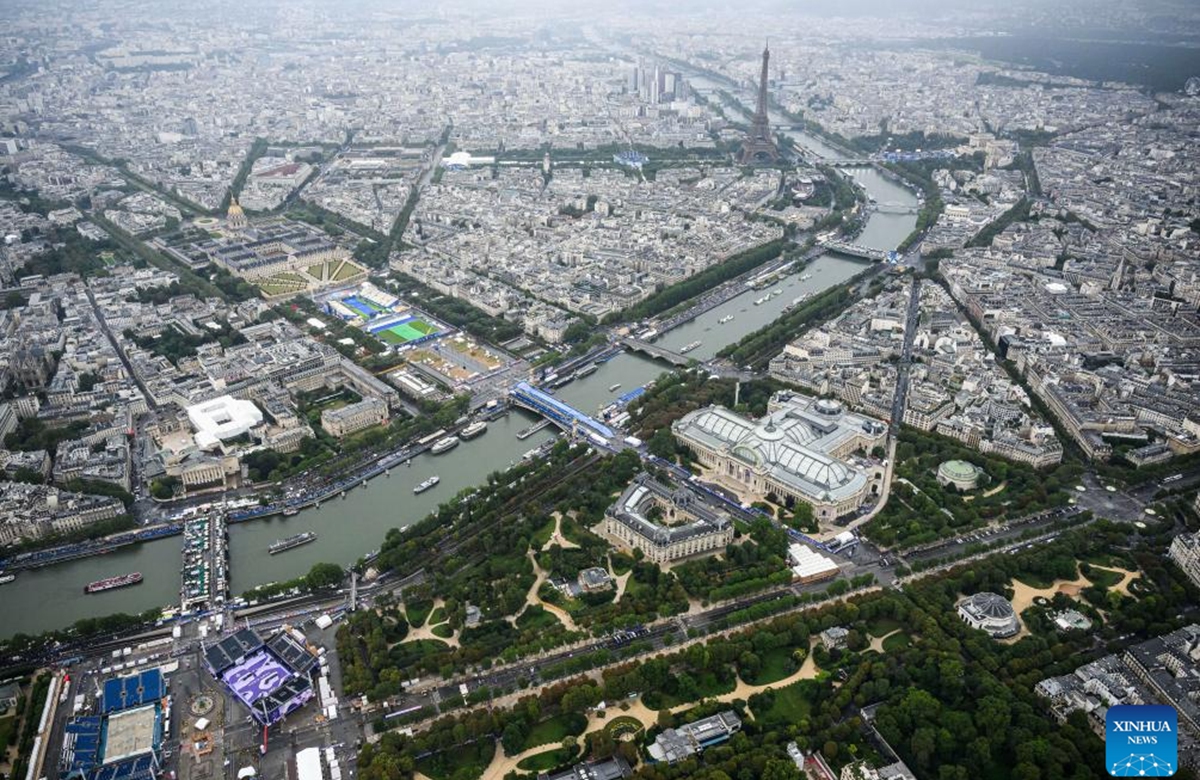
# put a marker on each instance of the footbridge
(561, 414)
(655, 351)
(855, 250)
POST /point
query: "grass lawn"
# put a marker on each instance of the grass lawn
(279, 289)
(634, 589)
(1105, 559)
(790, 704)
(414, 650)
(535, 617)
(1104, 578)
(8, 727)
(282, 283)
(552, 730)
(776, 665)
(542, 536)
(417, 612)
(336, 403)
(438, 616)
(543, 762)
(883, 627)
(552, 595)
(315, 270)
(474, 758)
(345, 271)
(1036, 580)
(442, 631)
(895, 642)
(573, 532)
(621, 564)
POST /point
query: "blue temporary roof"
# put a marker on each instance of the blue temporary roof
(135, 768)
(556, 409)
(122, 693)
(82, 735)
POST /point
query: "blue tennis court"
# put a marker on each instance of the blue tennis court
(365, 308)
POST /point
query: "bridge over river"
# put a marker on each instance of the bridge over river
(655, 351)
(856, 250)
(561, 414)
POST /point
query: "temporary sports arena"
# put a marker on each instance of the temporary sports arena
(384, 315)
(273, 678)
(405, 329)
(124, 740)
(361, 304)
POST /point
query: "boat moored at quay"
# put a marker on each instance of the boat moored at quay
(109, 583)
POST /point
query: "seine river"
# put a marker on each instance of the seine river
(347, 528)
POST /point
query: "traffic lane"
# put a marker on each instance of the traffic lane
(527, 670)
(958, 547)
(1148, 490)
(1114, 504)
(869, 560)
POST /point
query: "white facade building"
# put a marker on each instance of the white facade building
(1185, 551)
(221, 419)
(990, 612)
(664, 523)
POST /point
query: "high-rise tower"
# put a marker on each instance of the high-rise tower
(759, 147)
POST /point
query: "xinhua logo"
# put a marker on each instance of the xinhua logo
(1141, 741)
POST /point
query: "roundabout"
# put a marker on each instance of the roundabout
(202, 705)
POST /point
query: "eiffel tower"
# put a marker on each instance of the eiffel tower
(759, 147)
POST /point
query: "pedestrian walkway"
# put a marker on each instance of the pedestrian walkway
(557, 538)
(532, 598)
